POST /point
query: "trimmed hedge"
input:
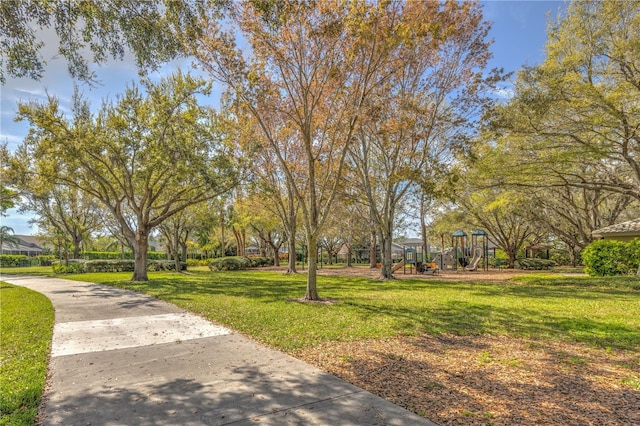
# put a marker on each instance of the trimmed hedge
(165, 265)
(233, 263)
(114, 265)
(611, 257)
(13, 260)
(109, 265)
(236, 263)
(536, 264)
(117, 255)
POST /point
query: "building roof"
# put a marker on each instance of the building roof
(409, 242)
(630, 228)
(27, 245)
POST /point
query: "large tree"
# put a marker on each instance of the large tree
(311, 69)
(73, 214)
(147, 156)
(422, 111)
(578, 110)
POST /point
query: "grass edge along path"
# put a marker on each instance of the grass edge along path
(26, 328)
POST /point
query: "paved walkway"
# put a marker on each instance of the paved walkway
(122, 358)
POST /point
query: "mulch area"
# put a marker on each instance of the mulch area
(489, 380)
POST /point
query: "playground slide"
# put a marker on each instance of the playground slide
(397, 266)
(474, 262)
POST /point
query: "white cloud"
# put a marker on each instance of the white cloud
(12, 140)
(504, 92)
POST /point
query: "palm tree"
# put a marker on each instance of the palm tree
(6, 236)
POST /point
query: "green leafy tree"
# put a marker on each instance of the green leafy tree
(579, 109)
(8, 197)
(146, 157)
(153, 31)
(504, 216)
(73, 214)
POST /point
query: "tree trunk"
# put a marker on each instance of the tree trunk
(387, 260)
(176, 247)
(372, 250)
(222, 242)
(349, 257)
(423, 229)
(512, 258)
(291, 268)
(276, 251)
(312, 289)
(290, 225)
(140, 246)
(76, 247)
(183, 256)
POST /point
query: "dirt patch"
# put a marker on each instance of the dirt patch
(491, 380)
(319, 301)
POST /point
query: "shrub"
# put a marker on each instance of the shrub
(46, 260)
(12, 260)
(198, 262)
(165, 265)
(232, 263)
(634, 254)
(109, 265)
(610, 257)
(258, 262)
(115, 255)
(561, 257)
(537, 264)
(71, 268)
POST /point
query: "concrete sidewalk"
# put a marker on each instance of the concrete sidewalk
(122, 358)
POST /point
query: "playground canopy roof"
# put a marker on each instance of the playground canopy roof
(621, 231)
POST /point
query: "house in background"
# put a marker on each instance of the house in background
(29, 246)
(625, 231)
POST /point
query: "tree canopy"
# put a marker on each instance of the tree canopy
(147, 156)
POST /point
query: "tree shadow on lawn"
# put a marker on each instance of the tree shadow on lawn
(464, 318)
(458, 317)
(545, 292)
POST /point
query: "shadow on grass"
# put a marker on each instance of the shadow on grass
(465, 318)
(403, 306)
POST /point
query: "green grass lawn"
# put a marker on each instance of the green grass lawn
(599, 312)
(26, 326)
(28, 270)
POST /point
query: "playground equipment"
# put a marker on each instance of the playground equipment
(478, 253)
(446, 259)
(468, 253)
(428, 268)
(397, 266)
(458, 241)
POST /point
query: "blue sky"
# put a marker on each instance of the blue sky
(519, 33)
